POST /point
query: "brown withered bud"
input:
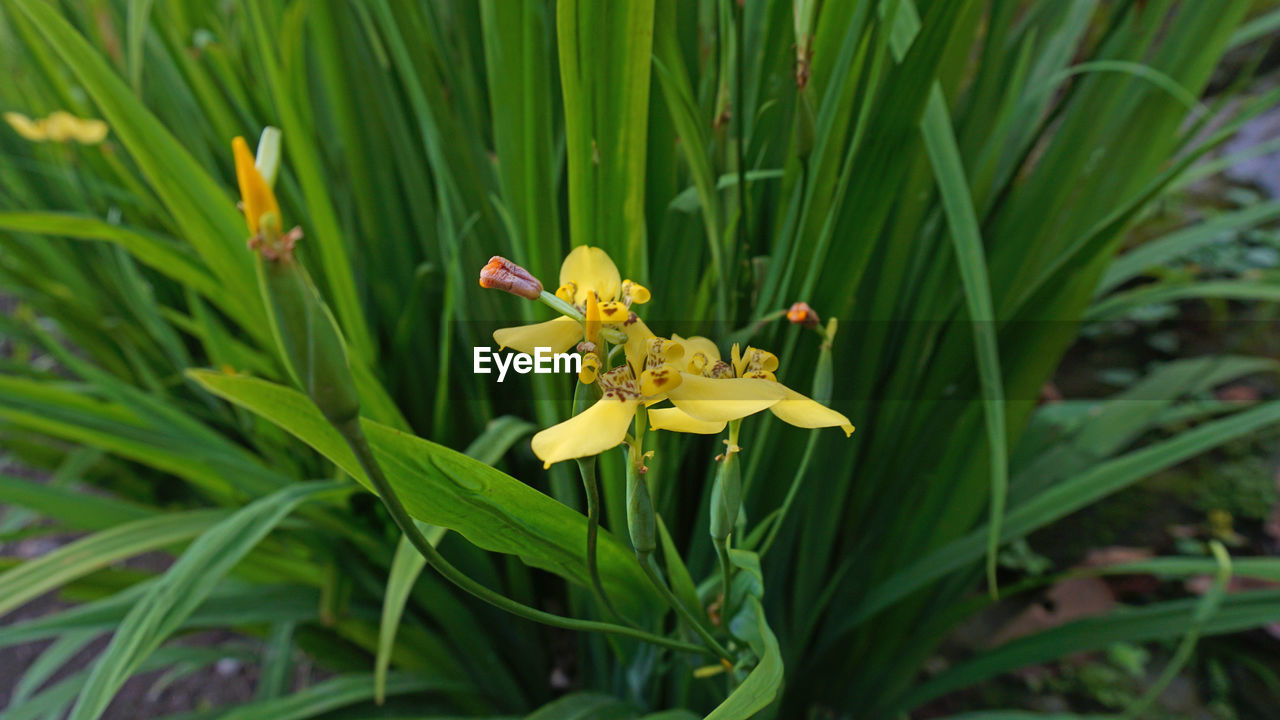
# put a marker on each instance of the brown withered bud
(502, 274)
(804, 64)
(801, 314)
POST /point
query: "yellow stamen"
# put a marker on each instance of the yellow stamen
(698, 363)
(566, 291)
(633, 293)
(590, 368)
(708, 671)
(718, 369)
(662, 351)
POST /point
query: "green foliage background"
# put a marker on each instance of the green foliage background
(954, 182)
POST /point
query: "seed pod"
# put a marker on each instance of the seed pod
(726, 497)
(822, 372)
(640, 522)
(308, 337)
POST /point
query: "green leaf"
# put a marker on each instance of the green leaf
(235, 605)
(1059, 501)
(1161, 620)
(1150, 255)
(763, 683)
(179, 592)
(200, 206)
(59, 567)
(584, 706)
(443, 487)
(1120, 304)
(336, 693)
(408, 563)
(70, 505)
(971, 257)
(164, 256)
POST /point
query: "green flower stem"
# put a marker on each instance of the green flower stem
(584, 395)
(726, 502)
(613, 335)
(642, 524)
(821, 392)
(651, 570)
(560, 306)
(354, 436)
(587, 467)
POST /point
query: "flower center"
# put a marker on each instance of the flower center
(619, 384)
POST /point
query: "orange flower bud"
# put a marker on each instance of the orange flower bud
(502, 274)
(801, 314)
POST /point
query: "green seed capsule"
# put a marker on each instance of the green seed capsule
(726, 498)
(640, 522)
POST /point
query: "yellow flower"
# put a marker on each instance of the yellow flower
(701, 406)
(261, 211)
(654, 371)
(623, 389)
(259, 201)
(59, 126)
(587, 273)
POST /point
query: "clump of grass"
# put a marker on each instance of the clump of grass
(952, 180)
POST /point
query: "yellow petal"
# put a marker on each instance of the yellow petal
(254, 192)
(720, 399)
(659, 380)
(590, 269)
(559, 335)
(698, 344)
(33, 130)
(677, 420)
(637, 346)
(601, 427)
(798, 410)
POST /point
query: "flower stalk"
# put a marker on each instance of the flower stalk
(642, 524)
(583, 395)
(726, 504)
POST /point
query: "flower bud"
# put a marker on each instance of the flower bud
(726, 496)
(308, 338)
(640, 518)
(502, 274)
(801, 314)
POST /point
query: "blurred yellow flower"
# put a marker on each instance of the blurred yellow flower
(59, 126)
